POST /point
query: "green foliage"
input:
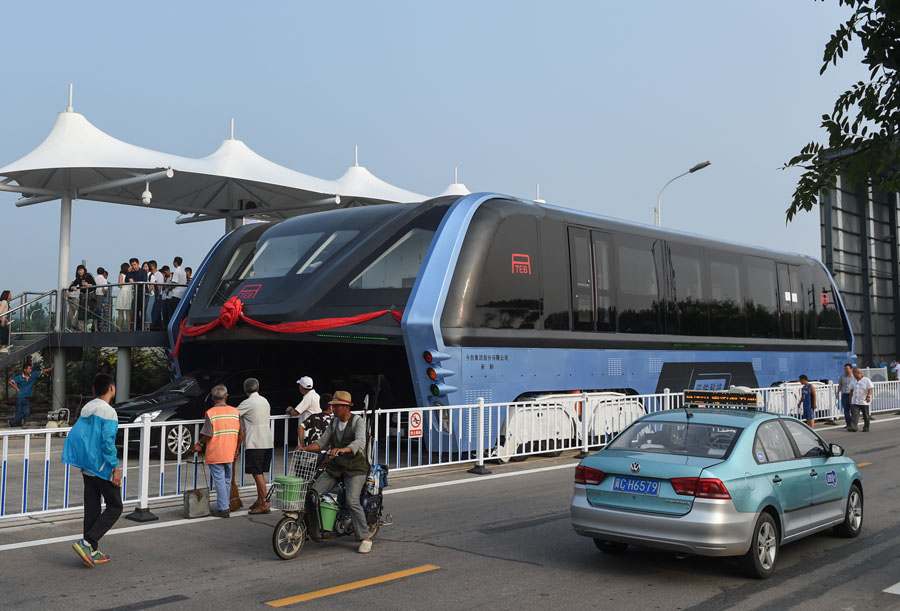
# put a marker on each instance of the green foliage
(863, 125)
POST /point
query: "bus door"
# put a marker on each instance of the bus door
(592, 280)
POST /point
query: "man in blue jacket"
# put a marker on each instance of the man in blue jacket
(91, 446)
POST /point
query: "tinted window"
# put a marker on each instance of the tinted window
(397, 266)
(772, 444)
(726, 312)
(687, 439)
(556, 282)
(508, 287)
(582, 279)
(828, 318)
(761, 300)
(808, 443)
(603, 282)
(639, 302)
(690, 315)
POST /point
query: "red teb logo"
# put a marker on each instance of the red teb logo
(249, 292)
(521, 264)
(825, 301)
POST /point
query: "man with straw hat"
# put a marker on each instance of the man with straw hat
(345, 440)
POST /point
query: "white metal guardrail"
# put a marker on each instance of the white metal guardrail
(33, 480)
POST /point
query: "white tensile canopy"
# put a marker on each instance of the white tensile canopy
(79, 161)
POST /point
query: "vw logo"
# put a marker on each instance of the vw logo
(635, 467)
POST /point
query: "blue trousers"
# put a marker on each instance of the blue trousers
(221, 477)
(848, 412)
(23, 410)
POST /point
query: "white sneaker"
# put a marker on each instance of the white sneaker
(365, 546)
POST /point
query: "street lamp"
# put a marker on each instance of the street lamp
(697, 167)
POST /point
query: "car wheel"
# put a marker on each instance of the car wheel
(179, 436)
(760, 559)
(853, 515)
(610, 547)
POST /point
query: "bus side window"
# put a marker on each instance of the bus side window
(726, 308)
(761, 300)
(689, 311)
(604, 285)
(639, 304)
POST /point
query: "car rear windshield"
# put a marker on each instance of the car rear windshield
(682, 438)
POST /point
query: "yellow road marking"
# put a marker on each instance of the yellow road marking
(863, 464)
(355, 585)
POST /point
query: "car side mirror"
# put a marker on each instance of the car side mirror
(836, 450)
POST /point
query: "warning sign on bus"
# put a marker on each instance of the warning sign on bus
(415, 424)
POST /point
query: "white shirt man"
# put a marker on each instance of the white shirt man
(178, 277)
(861, 399)
(101, 282)
(308, 405)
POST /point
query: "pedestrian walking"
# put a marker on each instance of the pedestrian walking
(24, 387)
(861, 400)
(807, 402)
(845, 392)
(91, 447)
(220, 439)
(258, 441)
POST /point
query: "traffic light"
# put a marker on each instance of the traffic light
(435, 374)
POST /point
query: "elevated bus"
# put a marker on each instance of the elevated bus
(504, 299)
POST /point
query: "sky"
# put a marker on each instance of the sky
(600, 102)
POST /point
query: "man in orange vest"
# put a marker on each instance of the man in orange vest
(220, 439)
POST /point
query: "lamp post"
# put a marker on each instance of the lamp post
(697, 167)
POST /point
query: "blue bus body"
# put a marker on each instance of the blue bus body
(580, 311)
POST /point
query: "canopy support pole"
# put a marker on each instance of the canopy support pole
(59, 359)
(123, 374)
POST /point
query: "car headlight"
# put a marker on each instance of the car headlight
(154, 414)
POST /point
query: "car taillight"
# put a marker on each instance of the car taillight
(700, 487)
(587, 476)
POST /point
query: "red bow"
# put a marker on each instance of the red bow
(233, 311)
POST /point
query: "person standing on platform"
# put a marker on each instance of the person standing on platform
(101, 302)
(156, 297)
(91, 447)
(845, 392)
(139, 277)
(807, 402)
(220, 439)
(179, 279)
(861, 400)
(124, 299)
(24, 387)
(4, 321)
(258, 441)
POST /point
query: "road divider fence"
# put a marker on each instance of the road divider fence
(159, 463)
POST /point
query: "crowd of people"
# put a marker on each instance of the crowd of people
(326, 423)
(144, 296)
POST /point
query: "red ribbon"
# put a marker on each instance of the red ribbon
(232, 312)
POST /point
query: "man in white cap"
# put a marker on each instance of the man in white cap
(308, 405)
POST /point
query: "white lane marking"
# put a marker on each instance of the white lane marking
(894, 589)
(131, 529)
(474, 480)
(115, 531)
